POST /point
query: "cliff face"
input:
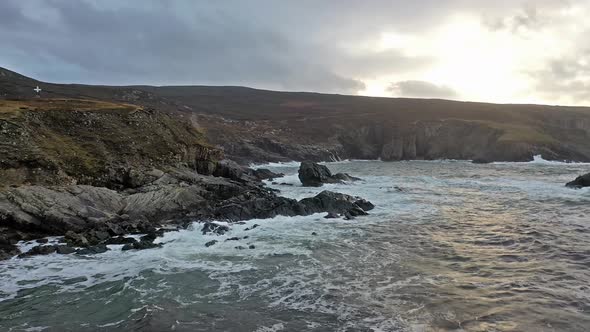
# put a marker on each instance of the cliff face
(261, 126)
(72, 141)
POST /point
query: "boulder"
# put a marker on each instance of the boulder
(580, 182)
(315, 175)
(336, 203)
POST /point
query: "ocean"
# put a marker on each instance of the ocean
(450, 246)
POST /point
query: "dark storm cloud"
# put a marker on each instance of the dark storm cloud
(292, 45)
(421, 89)
(284, 45)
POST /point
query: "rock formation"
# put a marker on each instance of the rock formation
(314, 175)
(580, 182)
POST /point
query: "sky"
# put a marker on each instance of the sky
(531, 51)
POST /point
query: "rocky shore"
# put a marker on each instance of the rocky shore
(93, 173)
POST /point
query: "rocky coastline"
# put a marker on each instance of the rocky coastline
(93, 173)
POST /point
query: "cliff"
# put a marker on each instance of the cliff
(89, 142)
(259, 126)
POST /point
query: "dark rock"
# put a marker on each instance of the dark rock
(481, 161)
(286, 184)
(314, 233)
(348, 216)
(95, 237)
(120, 240)
(233, 239)
(218, 229)
(92, 250)
(265, 174)
(315, 175)
(114, 229)
(141, 245)
(240, 248)
(44, 240)
(251, 246)
(332, 215)
(336, 203)
(8, 250)
(210, 243)
(39, 250)
(76, 240)
(65, 250)
(345, 177)
(251, 228)
(364, 204)
(580, 182)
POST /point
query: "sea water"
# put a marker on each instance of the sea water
(450, 246)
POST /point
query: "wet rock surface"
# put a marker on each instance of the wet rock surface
(315, 175)
(580, 182)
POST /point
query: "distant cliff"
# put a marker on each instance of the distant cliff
(260, 126)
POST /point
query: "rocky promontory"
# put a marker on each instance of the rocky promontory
(94, 172)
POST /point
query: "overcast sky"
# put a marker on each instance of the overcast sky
(535, 51)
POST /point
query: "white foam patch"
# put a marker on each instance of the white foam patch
(538, 160)
(182, 250)
(276, 165)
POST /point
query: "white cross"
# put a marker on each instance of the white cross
(37, 89)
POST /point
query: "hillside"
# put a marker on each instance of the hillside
(75, 141)
(258, 126)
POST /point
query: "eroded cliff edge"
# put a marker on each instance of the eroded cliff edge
(94, 171)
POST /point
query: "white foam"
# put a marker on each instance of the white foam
(538, 160)
(276, 165)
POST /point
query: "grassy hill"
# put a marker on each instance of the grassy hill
(258, 125)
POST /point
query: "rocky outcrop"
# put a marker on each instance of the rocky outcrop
(314, 175)
(93, 216)
(580, 182)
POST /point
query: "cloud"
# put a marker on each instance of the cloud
(306, 45)
(564, 80)
(421, 89)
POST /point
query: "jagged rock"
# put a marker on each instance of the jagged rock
(336, 203)
(39, 250)
(211, 227)
(580, 182)
(251, 246)
(332, 215)
(315, 175)
(253, 226)
(42, 241)
(92, 250)
(76, 240)
(233, 239)
(141, 245)
(65, 250)
(120, 240)
(348, 216)
(210, 243)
